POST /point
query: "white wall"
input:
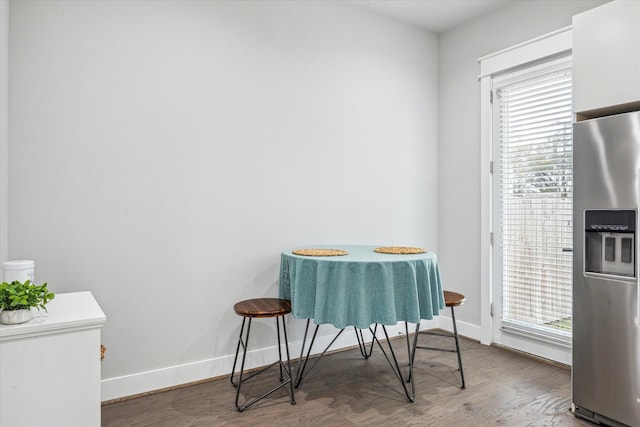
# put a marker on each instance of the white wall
(163, 154)
(459, 169)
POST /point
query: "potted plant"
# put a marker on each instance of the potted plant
(17, 299)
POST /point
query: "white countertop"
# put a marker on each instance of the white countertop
(65, 313)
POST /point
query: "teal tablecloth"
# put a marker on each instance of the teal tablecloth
(361, 288)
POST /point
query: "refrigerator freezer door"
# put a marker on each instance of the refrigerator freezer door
(606, 331)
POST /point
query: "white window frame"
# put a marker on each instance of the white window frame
(547, 46)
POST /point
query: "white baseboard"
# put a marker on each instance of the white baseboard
(144, 382)
(464, 329)
(172, 376)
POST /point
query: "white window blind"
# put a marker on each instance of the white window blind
(535, 138)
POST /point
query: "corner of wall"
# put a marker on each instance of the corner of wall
(4, 127)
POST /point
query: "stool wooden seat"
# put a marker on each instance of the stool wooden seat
(261, 308)
(452, 300)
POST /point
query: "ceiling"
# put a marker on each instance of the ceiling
(436, 16)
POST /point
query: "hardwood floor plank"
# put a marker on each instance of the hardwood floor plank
(503, 388)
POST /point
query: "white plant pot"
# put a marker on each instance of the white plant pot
(13, 317)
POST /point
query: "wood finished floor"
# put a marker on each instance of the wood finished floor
(503, 388)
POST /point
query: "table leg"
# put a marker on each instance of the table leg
(412, 352)
(302, 363)
(362, 344)
(393, 361)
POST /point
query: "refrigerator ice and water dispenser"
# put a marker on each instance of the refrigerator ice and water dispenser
(610, 242)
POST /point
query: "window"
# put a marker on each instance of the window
(526, 198)
(533, 139)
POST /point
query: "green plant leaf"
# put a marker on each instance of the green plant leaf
(16, 295)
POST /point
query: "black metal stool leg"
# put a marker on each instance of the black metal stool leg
(447, 334)
(244, 358)
(261, 308)
(244, 343)
(235, 360)
(289, 372)
(279, 347)
(455, 334)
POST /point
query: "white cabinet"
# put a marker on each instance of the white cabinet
(50, 366)
(606, 59)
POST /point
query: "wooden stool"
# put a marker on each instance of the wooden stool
(451, 299)
(261, 308)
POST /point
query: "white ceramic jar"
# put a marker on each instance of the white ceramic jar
(20, 270)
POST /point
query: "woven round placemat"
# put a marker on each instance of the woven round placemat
(319, 252)
(399, 250)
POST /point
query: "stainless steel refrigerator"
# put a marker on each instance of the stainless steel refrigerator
(606, 297)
